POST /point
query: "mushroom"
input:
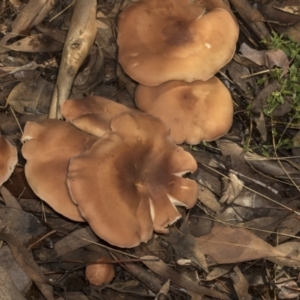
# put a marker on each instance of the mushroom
(195, 112)
(8, 159)
(135, 183)
(168, 40)
(48, 147)
(92, 114)
(101, 272)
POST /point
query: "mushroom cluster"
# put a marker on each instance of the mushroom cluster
(173, 49)
(125, 183)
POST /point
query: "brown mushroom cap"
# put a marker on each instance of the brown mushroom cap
(135, 184)
(92, 114)
(168, 40)
(100, 273)
(195, 112)
(48, 147)
(8, 159)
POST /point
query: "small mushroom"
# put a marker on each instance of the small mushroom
(48, 147)
(100, 273)
(168, 40)
(195, 112)
(135, 184)
(8, 159)
(92, 114)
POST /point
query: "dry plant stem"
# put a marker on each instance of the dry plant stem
(252, 17)
(81, 35)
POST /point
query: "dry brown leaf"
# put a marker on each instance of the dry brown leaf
(231, 188)
(296, 144)
(163, 293)
(291, 252)
(92, 74)
(31, 15)
(260, 102)
(268, 58)
(219, 271)
(9, 199)
(261, 126)
(27, 263)
(36, 43)
(208, 198)
(8, 288)
(274, 12)
(23, 225)
(268, 224)
(289, 226)
(227, 245)
(287, 289)
(162, 269)
(293, 9)
(187, 246)
(236, 70)
(77, 239)
(19, 277)
(240, 284)
(31, 96)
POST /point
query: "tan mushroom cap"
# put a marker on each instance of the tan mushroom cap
(100, 273)
(195, 112)
(168, 40)
(135, 184)
(92, 114)
(48, 147)
(8, 159)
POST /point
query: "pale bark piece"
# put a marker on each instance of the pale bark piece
(174, 40)
(49, 145)
(81, 36)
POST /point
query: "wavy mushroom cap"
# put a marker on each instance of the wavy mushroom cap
(195, 112)
(92, 114)
(49, 146)
(136, 182)
(168, 40)
(8, 159)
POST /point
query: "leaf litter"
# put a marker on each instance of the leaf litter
(245, 223)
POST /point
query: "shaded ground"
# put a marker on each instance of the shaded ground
(240, 241)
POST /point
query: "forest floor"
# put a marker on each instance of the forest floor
(240, 240)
